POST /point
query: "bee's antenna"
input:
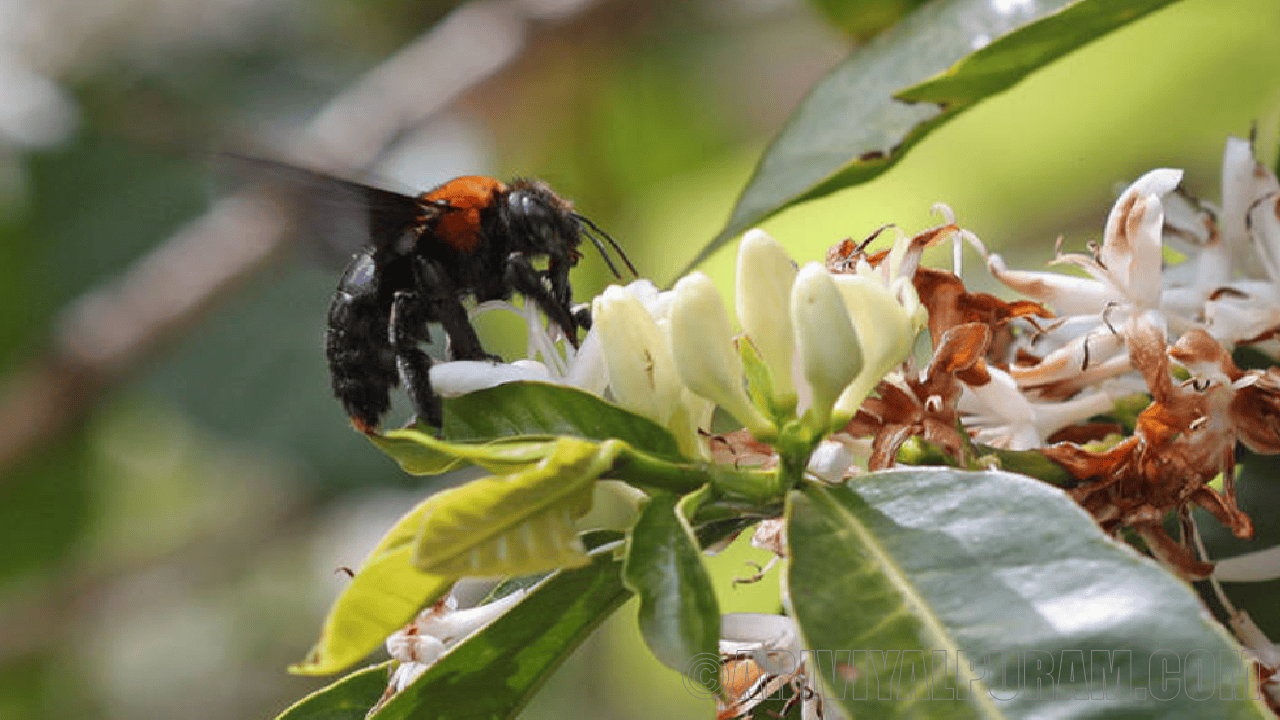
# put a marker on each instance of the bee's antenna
(600, 246)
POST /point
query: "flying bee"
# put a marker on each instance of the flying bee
(473, 237)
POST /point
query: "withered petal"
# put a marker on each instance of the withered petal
(1173, 554)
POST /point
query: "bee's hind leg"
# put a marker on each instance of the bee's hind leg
(408, 329)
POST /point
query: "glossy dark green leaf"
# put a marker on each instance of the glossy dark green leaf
(531, 408)
(858, 120)
(679, 615)
(957, 595)
(495, 672)
(347, 699)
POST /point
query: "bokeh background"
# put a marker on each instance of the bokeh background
(177, 487)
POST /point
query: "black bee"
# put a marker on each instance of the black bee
(472, 237)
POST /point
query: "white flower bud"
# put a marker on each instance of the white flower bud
(702, 343)
(886, 329)
(642, 374)
(765, 274)
(825, 337)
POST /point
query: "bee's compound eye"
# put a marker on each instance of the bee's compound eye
(525, 206)
(532, 216)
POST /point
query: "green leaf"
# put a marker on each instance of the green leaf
(759, 380)
(679, 615)
(515, 524)
(857, 121)
(383, 596)
(420, 453)
(531, 408)
(494, 673)
(863, 18)
(347, 699)
(954, 595)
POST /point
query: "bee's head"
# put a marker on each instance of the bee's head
(550, 226)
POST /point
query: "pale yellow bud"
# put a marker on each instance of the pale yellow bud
(886, 328)
(702, 343)
(830, 353)
(765, 274)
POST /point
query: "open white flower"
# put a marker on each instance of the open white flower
(631, 327)
(1002, 416)
(435, 631)
(1125, 282)
(1245, 308)
(549, 360)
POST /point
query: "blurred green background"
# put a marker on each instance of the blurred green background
(171, 542)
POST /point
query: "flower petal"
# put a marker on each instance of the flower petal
(826, 340)
(460, 377)
(1131, 248)
(765, 274)
(702, 344)
(642, 374)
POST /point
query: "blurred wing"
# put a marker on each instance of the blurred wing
(336, 217)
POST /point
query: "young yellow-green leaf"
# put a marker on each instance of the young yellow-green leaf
(415, 456)
(347, 699)
(420, 453)
(947, 594)
(759, 382)
(533, 408)
(385, 594)
(857, 122)
(515, 524)
(679, 615)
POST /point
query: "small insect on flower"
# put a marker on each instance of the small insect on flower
(420, 257)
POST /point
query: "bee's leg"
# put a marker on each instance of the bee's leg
(445, 306)
(527, 280)
(407, 329)
(558, 274)
(582, 317)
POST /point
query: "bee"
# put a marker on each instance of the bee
(471, 238)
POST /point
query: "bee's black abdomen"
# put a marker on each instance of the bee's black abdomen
(361, 360)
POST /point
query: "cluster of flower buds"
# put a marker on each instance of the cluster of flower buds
(813, 344)
(819, 359)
